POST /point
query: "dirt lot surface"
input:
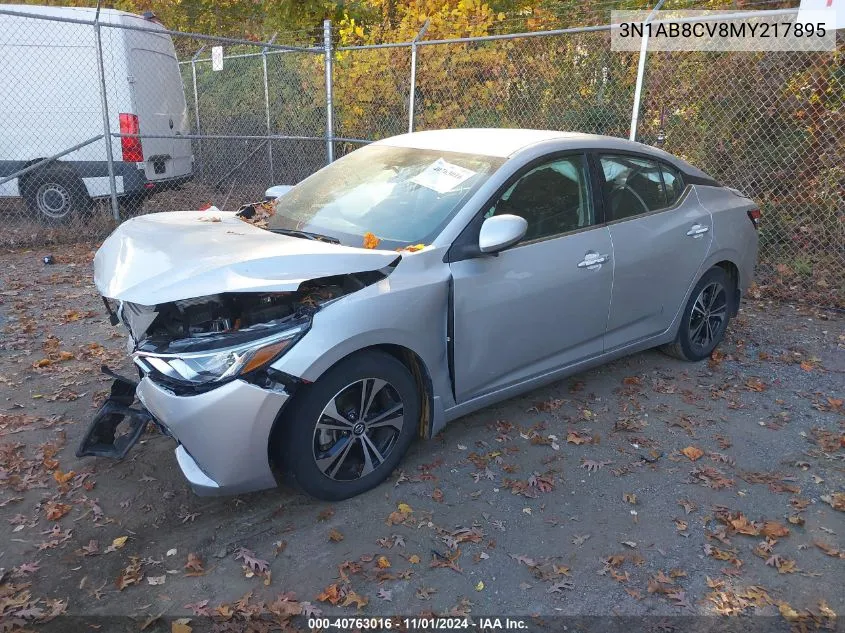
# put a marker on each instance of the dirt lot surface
(648, 487)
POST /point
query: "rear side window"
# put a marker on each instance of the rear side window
(673, 182)
(632, 186)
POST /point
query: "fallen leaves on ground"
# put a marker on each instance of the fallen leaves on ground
(253, 565)
(330, 594)
(116, 544)
(712, 477)
(132, 574)
(830, 550)
(449, 561)
(734, 602)
(593, 466)
(783, 565)
(353, 598)
(343, 595)
(400, 515)
(823, 617)
(181, 625)
(692, 452)
(55, 511)
(835, 501)
(194, 565)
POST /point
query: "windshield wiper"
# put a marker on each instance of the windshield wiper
(307, 235)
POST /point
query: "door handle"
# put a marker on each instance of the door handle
(593, 261)
(697, 230)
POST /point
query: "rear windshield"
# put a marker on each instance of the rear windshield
(403, 196)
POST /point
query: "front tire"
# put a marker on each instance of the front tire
(345, 433)
(57, 194)
(705, 318)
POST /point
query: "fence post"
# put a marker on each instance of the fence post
(267, 108)
(638, 90)
(412, 97)
(327, 52)
(105, 107)
(197, 105)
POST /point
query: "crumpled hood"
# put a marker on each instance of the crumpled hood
(164, 257)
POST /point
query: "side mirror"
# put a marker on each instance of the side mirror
(277, 191)
(501, 231)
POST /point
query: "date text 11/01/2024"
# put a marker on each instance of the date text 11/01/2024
(418, 624)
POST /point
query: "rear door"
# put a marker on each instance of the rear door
(158, 97)
(661, 236)
(541, 304)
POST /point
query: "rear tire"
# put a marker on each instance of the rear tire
(705, 318)
(327, 444)
(56, 194)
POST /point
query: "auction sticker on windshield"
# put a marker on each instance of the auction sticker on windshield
(442, 176)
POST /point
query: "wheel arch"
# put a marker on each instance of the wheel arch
(727, 261)
(732, 270)
(412, 362)
(56, 164)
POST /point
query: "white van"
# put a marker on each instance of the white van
(50, 101)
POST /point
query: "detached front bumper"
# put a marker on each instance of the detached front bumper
(223, 434)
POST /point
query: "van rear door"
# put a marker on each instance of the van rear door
(158, 98)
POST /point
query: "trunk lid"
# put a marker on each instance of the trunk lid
(164, 257)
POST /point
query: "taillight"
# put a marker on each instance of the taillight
(131, 146)
(754, 215)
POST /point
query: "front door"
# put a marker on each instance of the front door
(541, 304)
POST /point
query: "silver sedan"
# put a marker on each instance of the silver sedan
(413, 281)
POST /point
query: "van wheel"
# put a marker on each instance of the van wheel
(344, 434)
(705, 317)
(56, 194)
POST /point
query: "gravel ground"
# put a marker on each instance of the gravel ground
(647, 487)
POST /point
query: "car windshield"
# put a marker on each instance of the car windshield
(400, 195)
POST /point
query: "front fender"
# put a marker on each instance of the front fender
(408, 310)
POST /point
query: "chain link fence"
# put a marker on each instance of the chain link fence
(189, 126)
(107, 115)
(772, 125)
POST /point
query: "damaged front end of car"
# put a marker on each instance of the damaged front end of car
(212, 307)
(205, 367)
(194, 345)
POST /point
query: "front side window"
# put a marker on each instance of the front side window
(673, 182)
(633, 186)
(402, 195)
(553, 198)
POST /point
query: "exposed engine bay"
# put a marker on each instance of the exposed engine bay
(230, 319)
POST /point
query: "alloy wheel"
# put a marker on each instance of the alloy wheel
(358, 429)
(708, 316)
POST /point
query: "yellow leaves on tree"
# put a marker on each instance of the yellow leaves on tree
(365, 96)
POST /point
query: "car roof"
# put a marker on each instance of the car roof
(501, 142)
(78, 13)
(507, 142)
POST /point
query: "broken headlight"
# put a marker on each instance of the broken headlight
(218, 365)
